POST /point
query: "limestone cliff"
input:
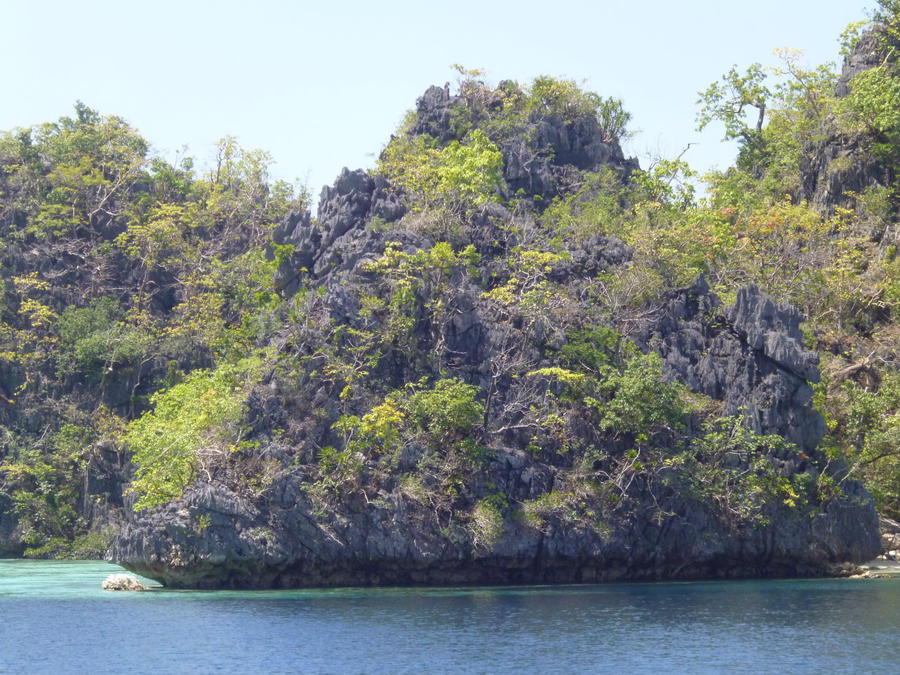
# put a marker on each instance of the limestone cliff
(551, 493)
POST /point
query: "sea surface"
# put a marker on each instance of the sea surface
(54, 618)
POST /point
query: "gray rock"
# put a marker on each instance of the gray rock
(774, 329)
(838, 166)
(867, 54)
(396, 540)
(750, 356)
(123, 582)
(338, 238)
(545, 150)
(228, 532)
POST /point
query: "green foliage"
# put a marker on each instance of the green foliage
(887, 16)
(339, 470)
(528, 291)
(94, 340)
(437, 424)
(667, 182)
(43, 480)
(553, 504)
(89, 546)
(561, 375)
(850, 37)
(613, 386)
(580, 505)
(83, 196)
(427, 272)
(797, 103)
(454, 179)
(487, 520)
(27, 339)
(874, 105)
(377, 432)
(422, 280)
(447, 412)
(598, 206)
(867, 424)
(594, 348)
(727, 102)
(444, 414)
(567, 100)
(159, 240)
(192, 424)
(640, 400)
(729, 469)
(94, 163)
(44, 498)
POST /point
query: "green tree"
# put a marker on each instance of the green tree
(192, 425)
(728, 102)
(455, 179)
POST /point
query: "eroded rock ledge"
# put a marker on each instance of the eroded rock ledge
(280, 544)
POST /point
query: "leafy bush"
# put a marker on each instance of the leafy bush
(446, 412)
(95, 339)
(487, 520)
(874, 104)
(564, 98)
(425, 277)
(595, 348)
(728, 467)
(867, 422)
(641, 400)
(376, 433)
(192, 424)
(456, 178)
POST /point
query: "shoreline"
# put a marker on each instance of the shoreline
(878, 569)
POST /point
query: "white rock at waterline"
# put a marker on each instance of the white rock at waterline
(122, 582)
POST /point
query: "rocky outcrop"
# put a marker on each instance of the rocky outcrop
(333, 241)
(865, 55)
(750, 356)
(538, 155)
(123, 582)
(841, 165)
(512, 511)
(279, 541)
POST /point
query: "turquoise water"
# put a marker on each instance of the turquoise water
(55, 618)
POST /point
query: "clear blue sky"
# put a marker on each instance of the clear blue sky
(322, 85)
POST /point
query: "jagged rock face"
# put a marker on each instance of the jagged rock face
(867, 54)
(840, 165)
(750, 356)
(838, 168)
(433, 113)
(338, 238)
(278, 542)
(774, 330)
(534, 161)
(225, 532)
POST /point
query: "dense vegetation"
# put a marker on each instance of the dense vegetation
(122, 276)
(146, 332)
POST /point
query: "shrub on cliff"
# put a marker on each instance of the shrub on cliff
(192, 425)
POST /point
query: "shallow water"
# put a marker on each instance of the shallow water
(54, 617)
